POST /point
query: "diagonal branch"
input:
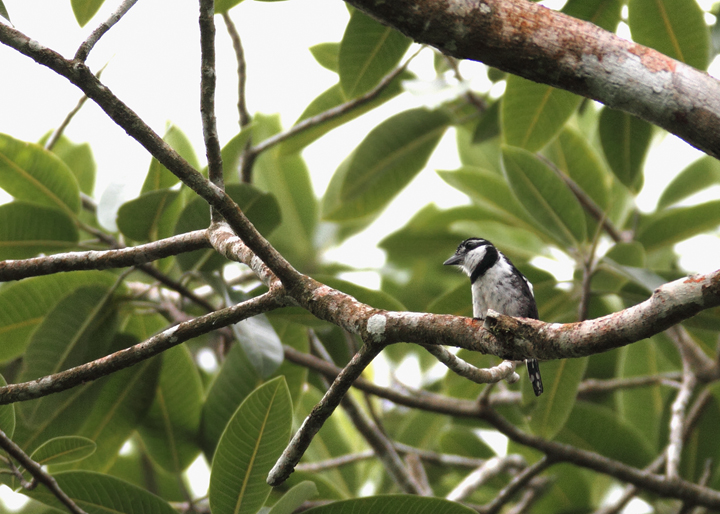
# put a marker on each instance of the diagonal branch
(89, 43)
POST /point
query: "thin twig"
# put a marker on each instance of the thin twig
(503, 371)
(677, 417)
(516, 484)
(38, 473)
(482, 474)
(89, 43)
(594, 385)
(243, 114)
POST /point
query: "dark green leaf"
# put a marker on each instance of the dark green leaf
(84, 10)
(141, 219)
(171, 426)
(3, 11)
(260, 343)
(489, 125)
(532, 114)
(625, 141)
(674, 27)
(28, 229)
(294, 498)
(673, 225)
(369, 50)
(603, 13)
(327, 55)
(158, 176)
(545, 196)
(252, 441)
(63, 450)
(396, 504)
(29, 172)
(699, 175)
(384, 163)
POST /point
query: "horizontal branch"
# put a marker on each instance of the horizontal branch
(546, 46)
(103, 259)
(157, 344)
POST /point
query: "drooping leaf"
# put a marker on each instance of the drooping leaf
(251, 443)
(383, 164)
(674, 27)
(260, 343)
(327, 55)
(603, 13)
(393, 504)
(84, 10)
(369, 50)
(676, 224)
(545, 196)
(261, 208)
(30, 173)
(699, 175)
(96, 493)
(532, 114)
(3, 11)
(7, 415)
(625, 141)
(294, 498)
(171, 426)
(24, 305)
(27, 230)
(560, 379)
(63, 450)
(158, 176)
(140, 219)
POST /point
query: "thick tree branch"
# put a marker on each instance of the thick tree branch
(103, 259)
(539, 44)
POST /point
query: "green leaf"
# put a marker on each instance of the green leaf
(101, 494)
(673, 225)
(625, 141)
(288, 178)
(383, 164)
(489, 125)
(674, 27)
(545, 197)
(572, 154)
(331, 98)
(140, 219)
(260, 343)
(532, 114)
(7, 415)
(561, 379)
(3, 11)
(251, 443)
(699, 175)
(294, 498)
(24, 305)
(235, 381)
(84, 10)
(222, 6)
(369, 50)
(232, 153)
(63, 450)
(261, 208)
(28, 229)
(603, 13)
(393, 504)
(327, 55)
(158, 176)
(589, 426)
(29, 172)
(171, 426)
(79, 159)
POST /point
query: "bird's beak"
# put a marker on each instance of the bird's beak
(454, 260)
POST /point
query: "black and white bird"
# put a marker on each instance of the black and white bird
(498, 285)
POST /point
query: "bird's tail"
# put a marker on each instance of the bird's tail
(534, 373)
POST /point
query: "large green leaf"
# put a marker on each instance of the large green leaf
(101, 494)
(560, 379)
(29, 172)
(589, 427)
(395, 504)
(79, 159)
(7, 415)
(330, 99)
(261, 208)
(24, 305)
(383, 164)
(171, 426)
(251, 443)
(699, 175)
(674, 27)
(545, 196)
(603, 13)
(532, 114)
(84, 10)
(288, 178)
(63, 450)
(673, 225)
(158, 176)
(369, 50)
(625, 141)
(27, 230)
(327, 55)
(141, 219)
(235, 381)
(260, 343)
